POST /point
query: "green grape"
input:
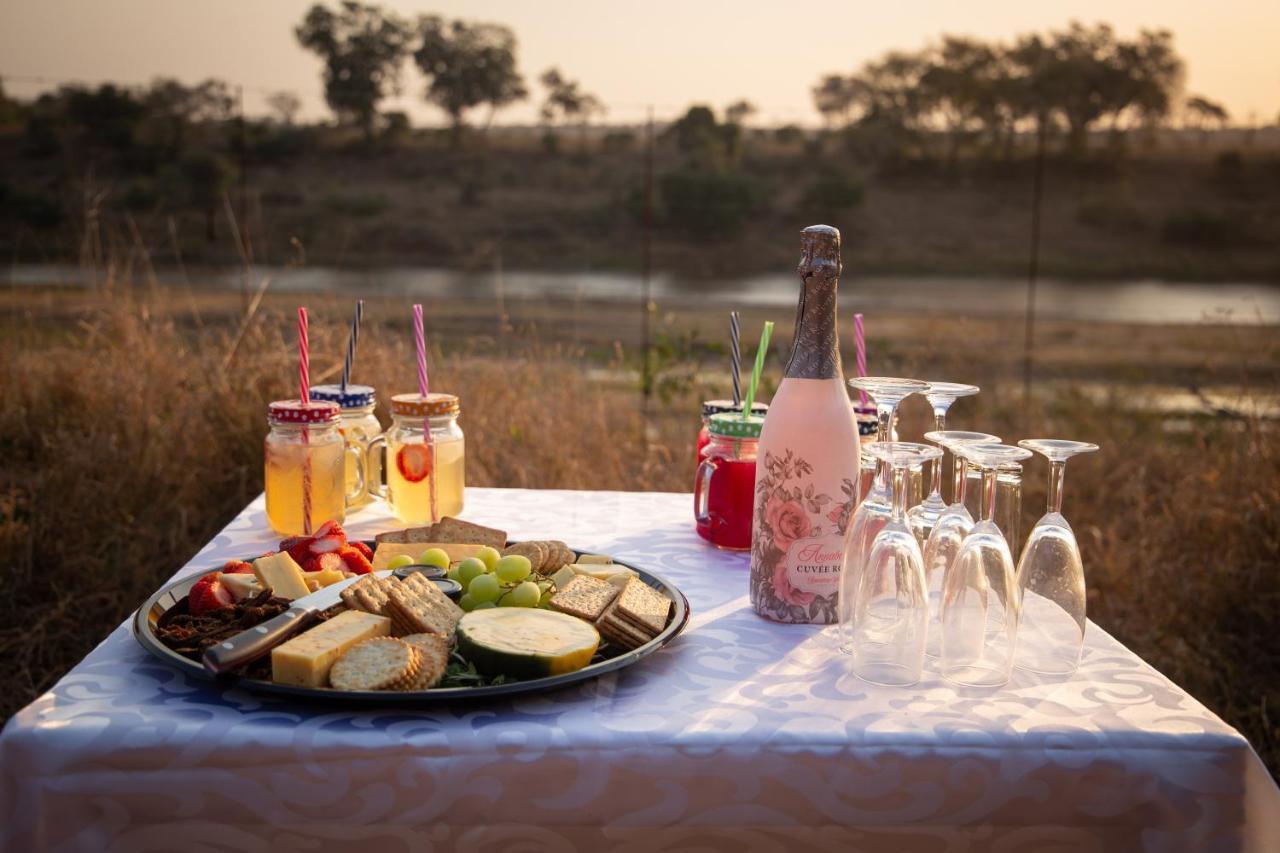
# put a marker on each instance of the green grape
(513, 567)
(525, 595)
(484, 605)
(468, 570)
(434, 557)
(489, 556)
(484, 588)
(400, 561)
(545, 601)
(452, 575)
(467, 603)
(508, 599)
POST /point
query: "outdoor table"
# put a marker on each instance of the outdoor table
(740, 734)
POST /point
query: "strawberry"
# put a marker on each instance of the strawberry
(330, 537)
(299, 550)
(363, 549)
(356, 562)
(236, 567)
(208, 594)
(320, 562)
(414, 462)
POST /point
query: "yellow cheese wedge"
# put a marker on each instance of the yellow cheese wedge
(320, 579)
(307, 658)
(594, 560)
(282, 574)
(603, 572)
(388, 550)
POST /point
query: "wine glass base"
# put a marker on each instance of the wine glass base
(976, 675)
(887, 674)
(1048, 666)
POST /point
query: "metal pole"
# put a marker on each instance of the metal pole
(1033, 269)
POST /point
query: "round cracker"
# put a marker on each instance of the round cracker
(534, 551)
(375, 664)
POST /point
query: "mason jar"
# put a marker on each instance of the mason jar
(304, 460)
(358, 425)
(424, 458)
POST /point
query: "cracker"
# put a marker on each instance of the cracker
(368, 594)
(643, 606)
(450, 529)
(617, 631)
(535, 551)
(376, 664)
(427, 612)
(559, 555)
(584, 597)
(434, 651)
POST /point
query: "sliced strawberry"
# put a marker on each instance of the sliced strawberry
(208, 594)
(300, 550)
(355, 561)
(414, 462)
(320, 562)
(330, 537)
(363, 549)
(293, 542)
(237, 567)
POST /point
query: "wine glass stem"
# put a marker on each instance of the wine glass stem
(899, 493)
(958, 478)
(885, 413)
(939, 424)
(1057, 473)
(989, 476)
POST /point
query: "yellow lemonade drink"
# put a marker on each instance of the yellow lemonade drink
(303, 467)
(424, 470)
(359, 426)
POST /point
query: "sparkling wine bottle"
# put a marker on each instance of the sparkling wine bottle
(807, 462)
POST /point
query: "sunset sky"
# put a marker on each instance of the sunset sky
(664, 53)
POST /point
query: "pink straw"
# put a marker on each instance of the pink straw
(420, 344)
(304, 393)
(860, 343)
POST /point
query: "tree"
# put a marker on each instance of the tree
(960, 83)
(286, 106)
(567, 102)
(739, 111)
(836, 96)
(468, 65)
(173, 108)
(362, 48)
(207, 176)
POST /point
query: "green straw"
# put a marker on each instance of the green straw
(765, 334)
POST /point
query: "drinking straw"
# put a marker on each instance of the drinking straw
(420, 346)
(860, 343)
(351, 344)
(737, 357)
(304, 393)
(765, 334)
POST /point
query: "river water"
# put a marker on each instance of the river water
(1130, 301)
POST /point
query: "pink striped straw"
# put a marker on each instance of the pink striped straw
(860, 344)
(304, 393)
(420, 342)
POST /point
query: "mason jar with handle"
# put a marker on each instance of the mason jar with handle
(305, 458)
(424, 458)
(725, 485)
(358, 424)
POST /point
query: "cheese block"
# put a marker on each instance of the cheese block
(241, 585)
(521, 643)
(562, 577)
(388, 550)
(282, 574)
(594, 560)
(604, 572)
(307, 658)
(324, 577)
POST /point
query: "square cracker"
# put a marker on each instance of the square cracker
(584, 597)
(423, 609)
(450, 529)
(618, 631)
(368, 594)
(408, 535)
(643, 606)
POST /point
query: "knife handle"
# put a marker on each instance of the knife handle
(253, 643)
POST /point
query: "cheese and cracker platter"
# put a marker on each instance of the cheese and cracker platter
(449, 611)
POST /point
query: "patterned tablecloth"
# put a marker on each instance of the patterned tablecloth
(742, 735)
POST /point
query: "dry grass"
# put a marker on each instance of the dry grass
(127, 446)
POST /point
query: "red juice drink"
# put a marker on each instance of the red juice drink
(724, 489)
(715, 407)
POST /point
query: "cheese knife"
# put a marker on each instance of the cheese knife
(253, 643)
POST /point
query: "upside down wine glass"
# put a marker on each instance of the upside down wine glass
(924, 516)
(891, 603)
(1051, 575)
(952, 526)
(873, 512)
(979, 592)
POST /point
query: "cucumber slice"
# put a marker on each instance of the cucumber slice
(523, 643)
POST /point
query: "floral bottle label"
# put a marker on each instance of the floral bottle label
(798, 541)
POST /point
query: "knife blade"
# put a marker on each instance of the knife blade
(252, 643)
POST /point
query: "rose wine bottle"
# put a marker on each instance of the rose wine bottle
(807, 462)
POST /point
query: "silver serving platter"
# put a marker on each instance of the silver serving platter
(613, 659)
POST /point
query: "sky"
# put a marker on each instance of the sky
(666, 54)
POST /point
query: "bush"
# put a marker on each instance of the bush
(832, 191)
(357, 204)
(1196, 226)
(708, 205)
(1107, 214)
(41, 211)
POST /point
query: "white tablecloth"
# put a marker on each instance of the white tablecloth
(741, 735)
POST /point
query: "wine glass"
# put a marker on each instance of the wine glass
(890, 614)
(874, 510)
(952, 526)
(924, 516)
(1051, 576)
(979, 593)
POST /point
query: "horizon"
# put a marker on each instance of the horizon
(1228, 55)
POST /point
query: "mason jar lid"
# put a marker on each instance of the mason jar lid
(432, 405)
(867, 419)
(355, 397)
(730, 425)
(298, 412)
(715, 407)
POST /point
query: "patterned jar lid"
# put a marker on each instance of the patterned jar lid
(417, 406)
(715, 407)
(298, 412)
(355, 397)
(729, 425)
(867, 419)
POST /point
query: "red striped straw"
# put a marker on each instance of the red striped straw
(420, 342)
(860, 343)
(304, 394)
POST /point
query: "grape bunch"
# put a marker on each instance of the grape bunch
(491, 580)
